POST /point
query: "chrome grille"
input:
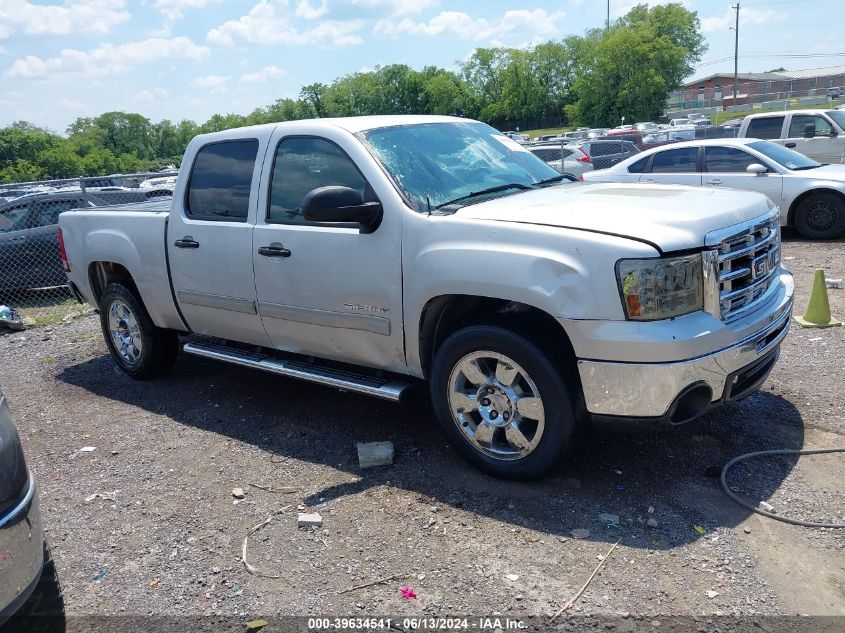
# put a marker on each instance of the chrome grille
(748, 263)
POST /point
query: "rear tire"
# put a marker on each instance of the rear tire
(504, 405)
(139, 348)
(820, 216)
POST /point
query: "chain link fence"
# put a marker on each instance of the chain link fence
(32, 277)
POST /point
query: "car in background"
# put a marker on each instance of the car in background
(597, 132)
(516, 136)
(22, 549)
(699, 119)
(733, 123)
(621, 129)
(29, 249)
(834, 92)
(819, 134)
(810, 195)
(680, 122)
(569, 160)
(604, 153)
(646, 127)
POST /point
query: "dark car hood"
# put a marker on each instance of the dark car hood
(13, 472)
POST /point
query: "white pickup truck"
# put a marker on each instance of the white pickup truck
(369, 253)
(819, 134)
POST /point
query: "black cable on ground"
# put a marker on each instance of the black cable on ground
(772, 515)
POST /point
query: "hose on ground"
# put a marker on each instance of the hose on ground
(772, 515)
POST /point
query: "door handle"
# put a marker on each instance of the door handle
(789, 145)
(274, 250)
(715, 181)
(186, 242)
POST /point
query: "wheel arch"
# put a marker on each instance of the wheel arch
(445, 314)
(790, 216)
(102, 273)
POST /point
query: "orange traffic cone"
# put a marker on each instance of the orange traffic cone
(818, 309)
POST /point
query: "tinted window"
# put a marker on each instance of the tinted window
(799, 121)
(547, 153)
(304, 164)
(673, 161)
(629, 148)
(605, 148)
(13, 219)
(765, 127)
(727, 160)
(638, 167)
(50, 209)
(221, 180)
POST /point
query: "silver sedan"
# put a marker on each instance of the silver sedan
(811, 195)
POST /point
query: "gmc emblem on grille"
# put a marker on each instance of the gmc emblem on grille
(760, 267)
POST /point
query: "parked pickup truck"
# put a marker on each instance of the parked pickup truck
(819, 134)
(367, 253)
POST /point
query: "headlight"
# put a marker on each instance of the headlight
(660, 288)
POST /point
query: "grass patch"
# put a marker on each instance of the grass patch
(45, 314)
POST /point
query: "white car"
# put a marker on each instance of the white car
(811, 195)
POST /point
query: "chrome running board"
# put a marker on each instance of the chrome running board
(385, 388)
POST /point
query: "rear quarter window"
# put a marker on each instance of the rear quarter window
(765, 127)
(221, 180)
(639, 166)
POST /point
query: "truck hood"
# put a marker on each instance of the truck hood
(670, 217)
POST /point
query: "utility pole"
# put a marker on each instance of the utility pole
(736, 49)
(607, 24)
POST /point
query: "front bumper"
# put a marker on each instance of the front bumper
(21, 552)
(681, 390)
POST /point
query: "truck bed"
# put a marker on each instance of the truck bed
(130, 235)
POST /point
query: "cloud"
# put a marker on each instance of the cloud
(749, 16)
(268, 73)
(537, 23)
(73, 16)
(71, 104)
(108, 59)
(174, 9)
(212, 83)
(397, 7)
(265, 24)
(150, 95)
(306, 11)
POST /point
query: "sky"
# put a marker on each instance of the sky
(189, 59)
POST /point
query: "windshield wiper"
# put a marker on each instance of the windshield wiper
(482, 192)
(550, 180)
(805, 167)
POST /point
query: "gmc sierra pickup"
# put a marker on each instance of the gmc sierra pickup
(365, 253)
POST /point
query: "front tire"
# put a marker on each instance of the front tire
(139, 348)
(820, 217)
(502, 402)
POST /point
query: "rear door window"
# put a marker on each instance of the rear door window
(765, 127)
(49, 210)
(221, 180)
(675, 161)
(639, 166)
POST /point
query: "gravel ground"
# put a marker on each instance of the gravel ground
(166, 537)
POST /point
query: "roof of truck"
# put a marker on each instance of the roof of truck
(358, 123)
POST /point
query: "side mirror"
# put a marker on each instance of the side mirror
(757, 169)
(809, 130)
(341, 205)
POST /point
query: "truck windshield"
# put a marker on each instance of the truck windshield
(838, 116)
(432, 164)
(784, 156)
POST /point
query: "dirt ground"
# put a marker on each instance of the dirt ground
(167, 538)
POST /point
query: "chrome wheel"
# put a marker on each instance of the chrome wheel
(496, 405)
(125, 333)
